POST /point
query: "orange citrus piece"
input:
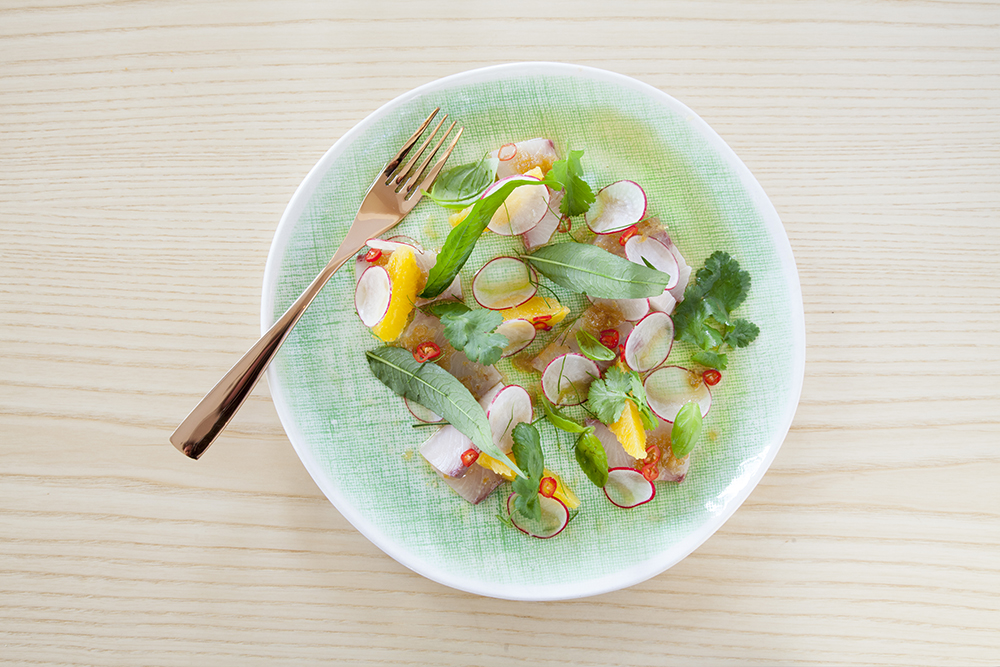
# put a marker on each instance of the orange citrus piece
(405, 278)
(458, 216)
(539, 310)
(628, 429)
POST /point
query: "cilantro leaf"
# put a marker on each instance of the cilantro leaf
(472, 331)
(528, 454)
(577, 194)
(742, 333)
(607, 395)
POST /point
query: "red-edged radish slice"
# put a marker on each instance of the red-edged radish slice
(649, 343)
(627, 488)
(443, 450)
(371, 296)
(555, 516)
(420, 413)
(664, 303)
(632, 310)
(541, 233)
(670, 387)
(656, 253)
(524, 156)
(395, 243)
(524, 207)
(508, 407)
(519, 333)
(683, 274)
(475, 485)
(504, 282)
(567, 378)
(402, 238)
(616, 207)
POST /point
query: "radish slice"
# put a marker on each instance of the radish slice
(541, 233)
(519, 332)
(523, 209)
(555, 516)
(649, 343)
(421, 413)
(443, 450)
(509, 407)
(656, 253)
(395, 243)
(670, 387)
(683, 274)
(617, 206)
(567, 378)
(524, 156)
(371, 296)
(503, 283)
(475, 485)
(402, 238)
(664, 303)
(627, 488)
(632, 310)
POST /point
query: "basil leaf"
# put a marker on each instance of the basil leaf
(592, 348)
(458, 187)
(686, 429)
(592, 458)
(462, 239)
(558, 419)
(439, 391)
(528, 452)
(593, 271)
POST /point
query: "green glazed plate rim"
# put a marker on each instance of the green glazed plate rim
(732, 491)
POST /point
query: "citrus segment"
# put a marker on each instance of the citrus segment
(406, 279)
(628, 429)
(541, 311)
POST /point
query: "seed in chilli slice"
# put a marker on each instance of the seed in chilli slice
(632, 310)
(567, 379)
(616, 207)
(668, 388)
(508, 408)
(372, 294)
(504, 282)
(524, 207)
(649, 343)
(420, 413)
(519, 333)
(627, 488)
(555, 516)
(656, 253)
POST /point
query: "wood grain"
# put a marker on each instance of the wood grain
(147, 150)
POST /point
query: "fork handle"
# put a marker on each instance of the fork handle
(200, 428)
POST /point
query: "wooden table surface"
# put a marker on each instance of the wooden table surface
(147, 151)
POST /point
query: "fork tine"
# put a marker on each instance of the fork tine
(406, 171)
(391, 166)
(418, 172)
(425, 184)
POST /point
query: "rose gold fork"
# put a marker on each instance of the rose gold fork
(395, 192)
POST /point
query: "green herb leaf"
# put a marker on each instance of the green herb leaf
(592, 348)
(528, 452)
(558, 419)
(704, 316)
(638, 396)
(592, 458)
(607, 395)
(472, 331)
(686, 429)
(462, 239)
(577, 194)
(437, 390)
(593, 271)
(460, 186)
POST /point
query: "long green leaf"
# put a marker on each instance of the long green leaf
(439, 391)
(593, 271)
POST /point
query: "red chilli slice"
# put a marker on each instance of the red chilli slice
(507, 152)
(469, 457)
(609, 338)
(711, 377)
(427, 351)
(547, 487)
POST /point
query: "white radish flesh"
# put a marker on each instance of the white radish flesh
(372, 294)
(670, 387)
(509, 407)
(541, 233)
(664, 303)
(503, 282)
(567, 378)
(555, 516)
(649, 343)
(524, 207)
(627, 488)
(656, 253)
(616, 207)
(443, 450)
(519, 334)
